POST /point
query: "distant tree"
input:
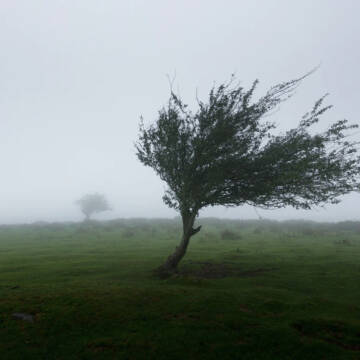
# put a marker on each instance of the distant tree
(93, 203)
(226, 153)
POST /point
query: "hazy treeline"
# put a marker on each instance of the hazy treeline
(304, 227)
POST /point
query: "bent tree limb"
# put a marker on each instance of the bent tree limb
(173, 260)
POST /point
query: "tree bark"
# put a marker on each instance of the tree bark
(173, 260)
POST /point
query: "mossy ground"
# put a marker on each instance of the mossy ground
(273, 291)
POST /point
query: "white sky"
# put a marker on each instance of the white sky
(75, 76)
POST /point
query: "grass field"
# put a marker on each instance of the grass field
(245, 290)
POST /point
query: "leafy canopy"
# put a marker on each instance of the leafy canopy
(226, 152)
(93, 203)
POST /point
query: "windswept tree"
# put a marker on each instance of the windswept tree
(228, 153)
(93, 203)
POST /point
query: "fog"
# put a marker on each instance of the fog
(75, 77)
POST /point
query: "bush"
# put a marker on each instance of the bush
(308, 232)
(129, 233)
(258, 230)
(229, 235)
(345, 242)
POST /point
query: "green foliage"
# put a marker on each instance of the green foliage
(226, 153)
(93, 203)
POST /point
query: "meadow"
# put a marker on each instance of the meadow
(245, 290)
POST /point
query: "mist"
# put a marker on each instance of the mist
(75, 77)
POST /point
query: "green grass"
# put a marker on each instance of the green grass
(292, 291)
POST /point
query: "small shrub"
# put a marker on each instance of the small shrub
(275, 229)
(108, 228)
(129, 233)
(144, 227)
(206, 236)
(229, 235)
(345, 242)
(258, 230)
(308, 232)
(82, 229)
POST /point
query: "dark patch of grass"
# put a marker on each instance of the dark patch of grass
(334, 332)
(210, 270)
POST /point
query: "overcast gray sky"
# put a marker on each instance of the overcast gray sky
(75, 76)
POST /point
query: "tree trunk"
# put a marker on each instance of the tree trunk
(173, 260)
